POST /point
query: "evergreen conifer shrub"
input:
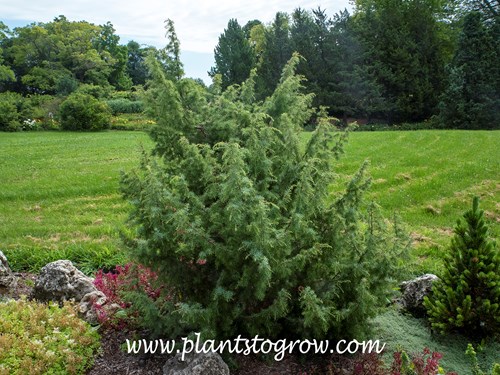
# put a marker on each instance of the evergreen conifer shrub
(233, 210)
(467, 298)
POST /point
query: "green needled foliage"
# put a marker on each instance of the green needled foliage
(234, 212)
(234, 56)
(472, 98)
(468, 296)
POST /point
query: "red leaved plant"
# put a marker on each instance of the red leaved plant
(131, 277)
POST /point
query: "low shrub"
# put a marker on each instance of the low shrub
(420, 363)
(235, 212)
(116, 283)
(40, 112)
(40, 339)
(9, 117)
(48, 113)
(424, 363)
(84, 112)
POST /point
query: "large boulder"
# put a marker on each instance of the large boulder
(414, 291)
(62, 281)
(196, 364)
(7, 278)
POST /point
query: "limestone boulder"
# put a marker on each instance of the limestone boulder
(7, 278)
(196, 364)
(62, 281)
(414, 291)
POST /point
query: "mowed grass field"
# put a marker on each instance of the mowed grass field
(59, 191)
(428, 178)
(59, 196)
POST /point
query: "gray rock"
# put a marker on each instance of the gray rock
(86, 306)
(7, 278)
(62, 281)
(414, 291)
(196, 364)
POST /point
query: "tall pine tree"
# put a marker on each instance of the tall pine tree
(277, 51)
(472, 98)
(234, 57)
(402, 43)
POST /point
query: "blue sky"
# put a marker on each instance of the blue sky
(198, 24)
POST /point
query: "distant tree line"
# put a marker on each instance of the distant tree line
(55, 57)
(42, 65)
(389, 61)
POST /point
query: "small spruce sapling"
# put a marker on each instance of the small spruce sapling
(467, 298)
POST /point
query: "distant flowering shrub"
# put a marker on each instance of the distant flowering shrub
(30, 124)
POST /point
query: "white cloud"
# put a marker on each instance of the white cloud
(198, 24)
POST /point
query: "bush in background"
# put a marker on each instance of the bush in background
(84, 112)
(97, 91)
(66, 85)
(12, 106)
(9, 116)
(32, 112)
(40, 339)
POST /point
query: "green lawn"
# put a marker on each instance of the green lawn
(59, 191)
(429, 177)
(59, 196)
